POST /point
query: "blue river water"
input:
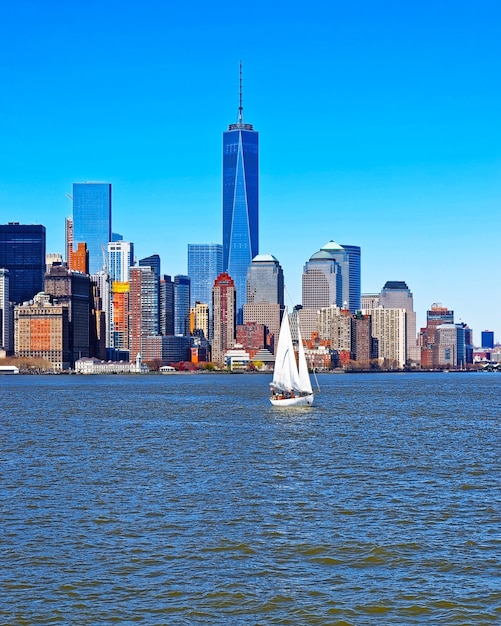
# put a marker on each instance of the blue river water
(189, 499)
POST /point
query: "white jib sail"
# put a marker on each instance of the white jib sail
(304, 376)
(285, 375)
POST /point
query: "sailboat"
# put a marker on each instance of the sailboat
(291, 385)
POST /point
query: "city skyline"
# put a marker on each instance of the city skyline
(378, 126)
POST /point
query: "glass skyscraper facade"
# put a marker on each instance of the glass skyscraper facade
(92, 221)
(240, 202)
(265, 295)
(181, 305)
(22, 252)
(354, 277)
(205, 263)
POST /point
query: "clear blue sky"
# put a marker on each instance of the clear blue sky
(379, 126)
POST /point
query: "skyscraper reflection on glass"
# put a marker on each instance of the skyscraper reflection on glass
(240, 202)
(92, 221)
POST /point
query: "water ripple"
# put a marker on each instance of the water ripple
(190, 500)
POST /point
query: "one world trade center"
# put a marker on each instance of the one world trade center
(240, 201)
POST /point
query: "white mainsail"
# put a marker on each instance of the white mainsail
(285, 375)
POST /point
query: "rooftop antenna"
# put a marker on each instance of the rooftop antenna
(241, 107)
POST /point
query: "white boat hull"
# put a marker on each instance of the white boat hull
(297, 401)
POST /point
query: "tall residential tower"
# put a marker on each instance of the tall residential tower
(240, 201)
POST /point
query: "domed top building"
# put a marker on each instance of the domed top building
(332, 276)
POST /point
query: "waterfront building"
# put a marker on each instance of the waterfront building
(143, 309)
(396, 295)
(388, 328)
(120, 260)
(487, 339)
(6, 314)
(240, 201)
(96, 366)
(167, 349)
(199, 320)
(435, 316)
(92, 220)
(362, 349)
(445, 346)
(182, 305)
(22, 252)
(73, 290)
(236, 358)
(464, 349)
(205, 263)
(224, 316)
(42, 331)
(265, 294)
(167, 305)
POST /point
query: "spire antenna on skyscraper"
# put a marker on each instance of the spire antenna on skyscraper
(240, 200)
(241, 106)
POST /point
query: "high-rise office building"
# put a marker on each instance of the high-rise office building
(487, 339)
(224, 316)
(322, 281)
(6, 314)
(181, 305)
(143, 309)
(92, 220)
(166, 305)
(332, 276)
(354, 276)
(396, 295)
(265, 294)
(120, 260)
(435, 316)
(240, 201)
(22, 252)
(73, 290)
(205, 263)
(153, 261)
(445, 347)
(361, 339)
